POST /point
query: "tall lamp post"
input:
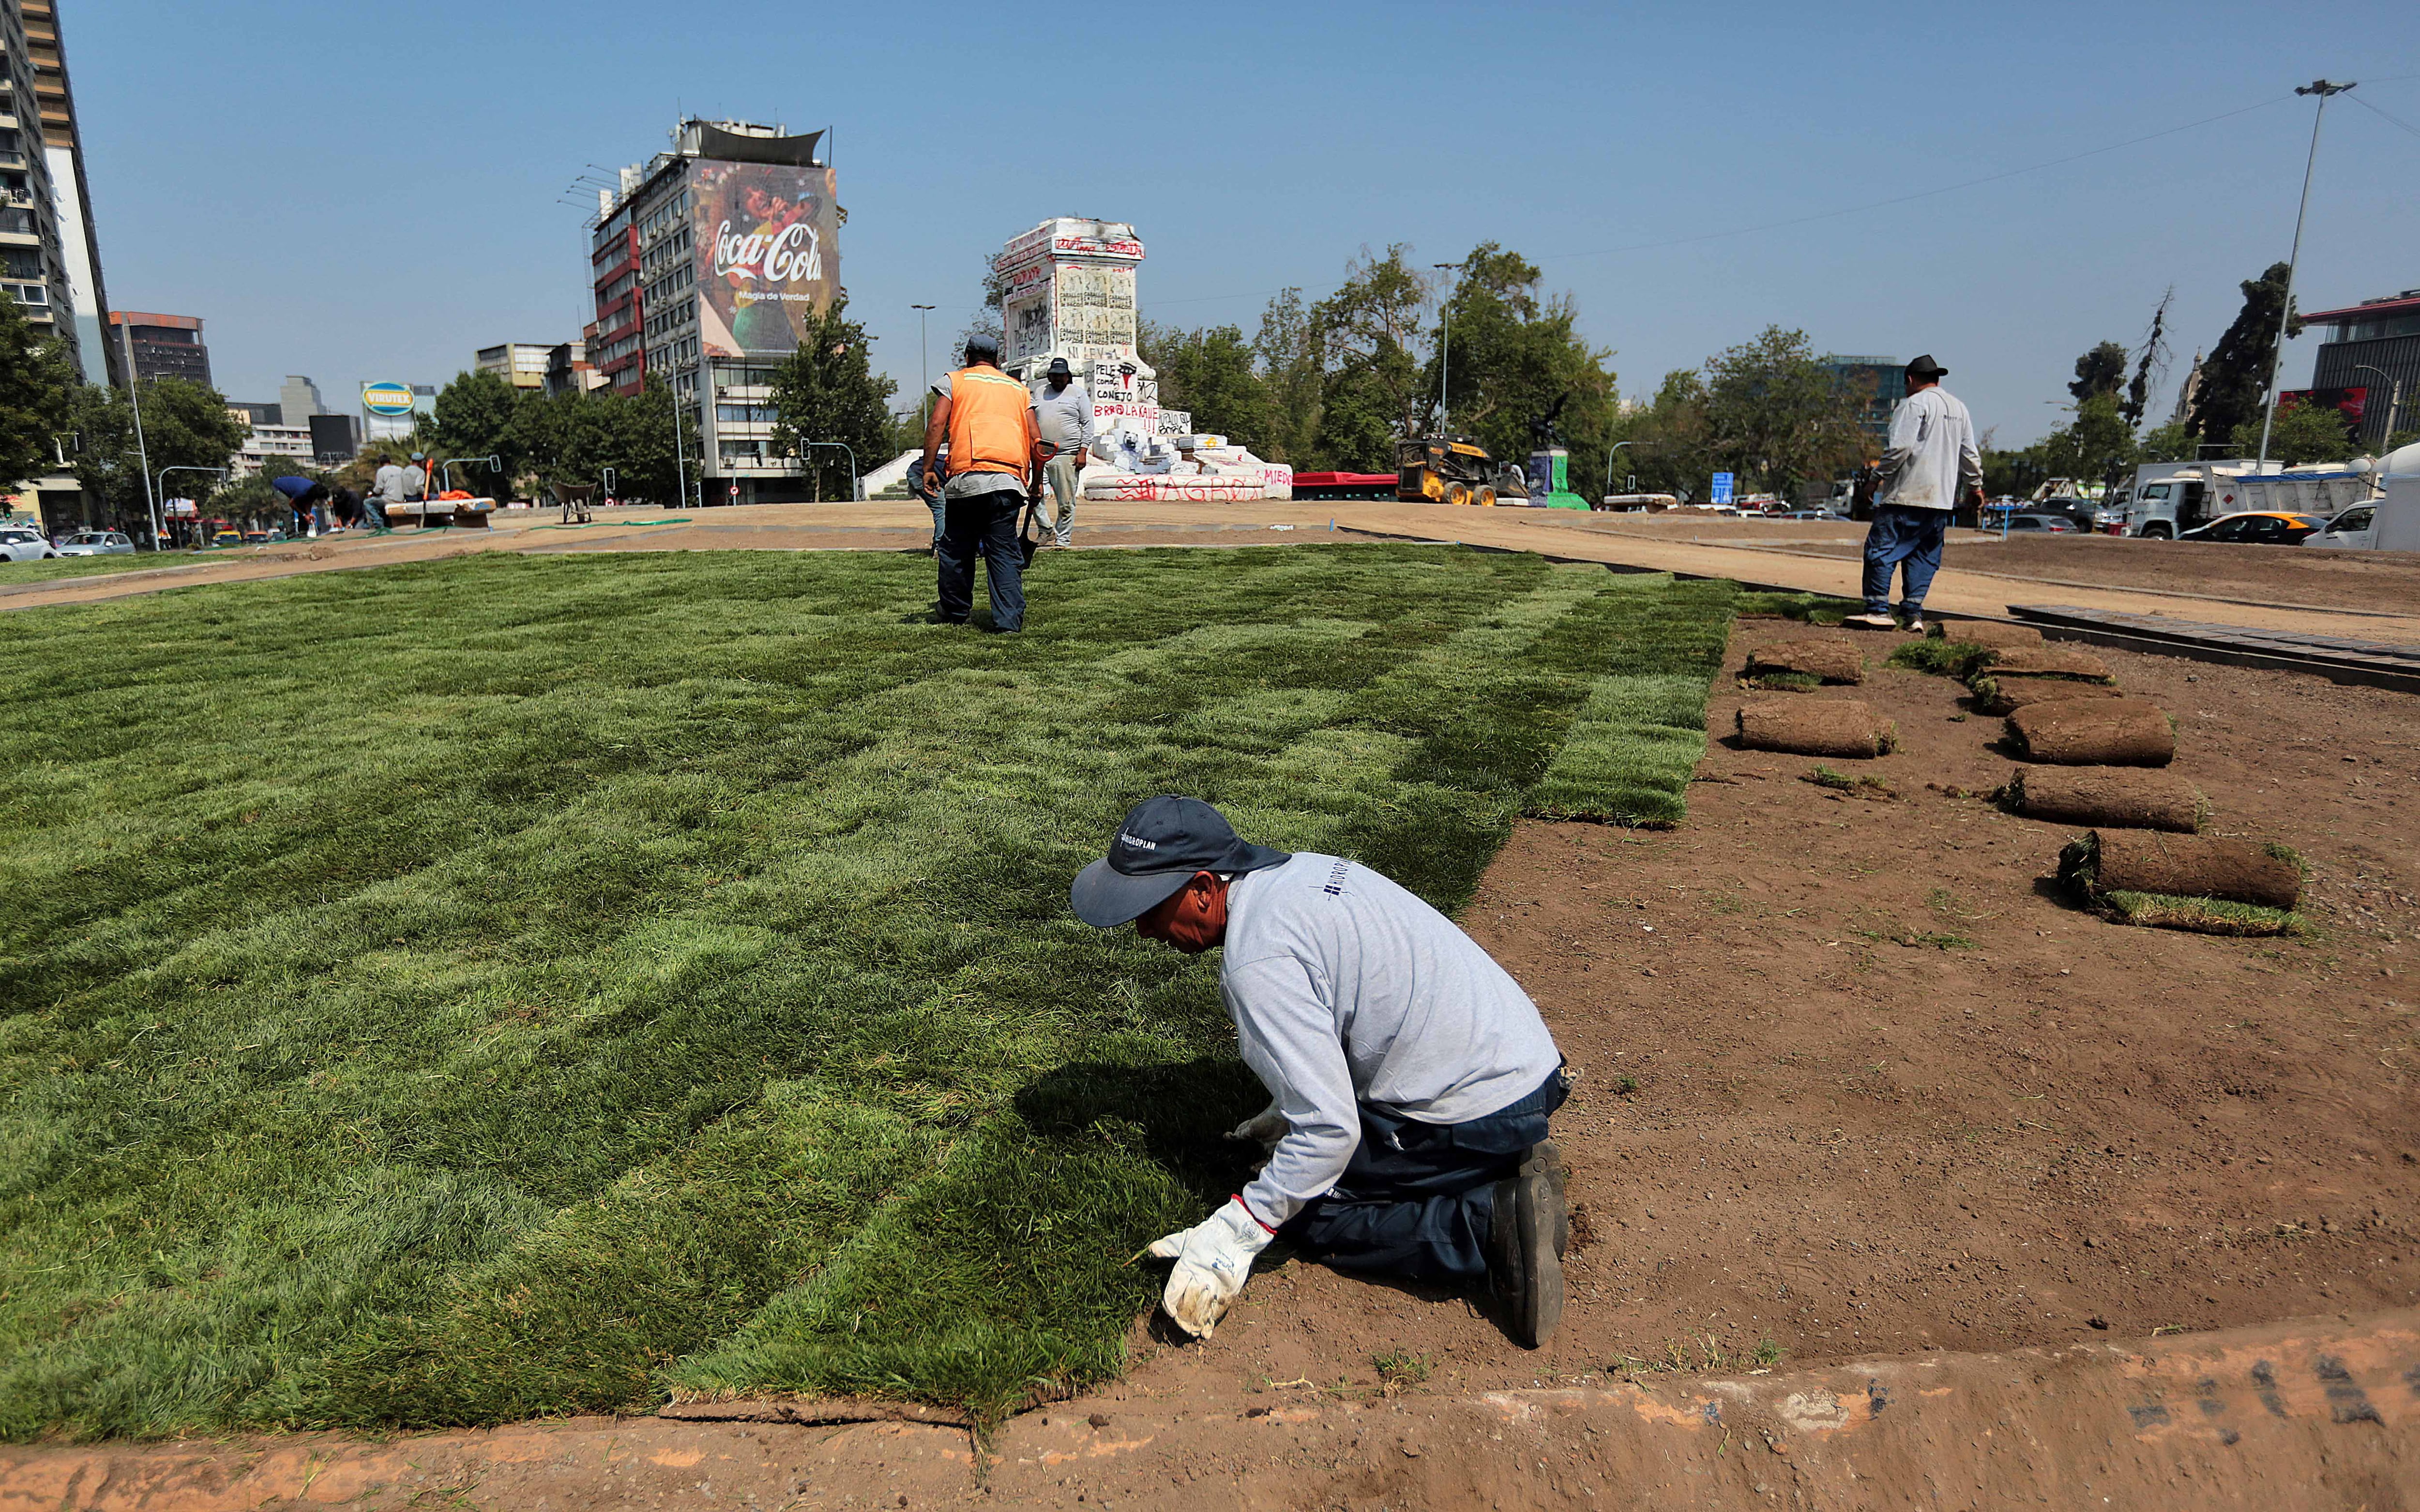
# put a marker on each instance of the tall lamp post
(1444, 342)
(925, 365)
(142, 452)
(217, 472)
(2285, 316)
(2394, 402)
(1608, 464)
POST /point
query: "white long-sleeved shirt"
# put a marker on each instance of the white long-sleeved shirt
(1347, 989)
(1931, 457)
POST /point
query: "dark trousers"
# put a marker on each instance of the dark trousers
(985, 524)
(1417, 1199)
(1902, 536)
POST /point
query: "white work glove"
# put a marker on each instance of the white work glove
(1214, 1257)
(1264, 1129)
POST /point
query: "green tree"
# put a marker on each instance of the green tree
(2235, 376)
(2099, 371)
(1212, 375)
(2096, 445)
(480, 415)
(1777, 417)
(1293, 364)
(1670, 446)
(38, 387)
(1517, 358)
(2303, 433)
(185, 424)
(2171, 443)
(827, 392)
(2012, 474)
(1372, 393)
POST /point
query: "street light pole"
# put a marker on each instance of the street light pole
(925, 368)
(1445, 344)
(1608, 464)
(142, 453)
(2285, 316)
(2394, 402)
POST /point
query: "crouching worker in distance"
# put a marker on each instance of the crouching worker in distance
(1410, 1078)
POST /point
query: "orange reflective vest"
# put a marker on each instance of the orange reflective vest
(991, 423)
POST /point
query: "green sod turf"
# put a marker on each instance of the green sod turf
(51, 569)
(458, 991)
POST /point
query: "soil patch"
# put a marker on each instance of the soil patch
(1858, 1080)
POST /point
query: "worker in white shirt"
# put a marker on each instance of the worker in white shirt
(1410, 1078)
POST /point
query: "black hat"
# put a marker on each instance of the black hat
(1059, 366)
(983, 345)
(1157, 850)
(1925, 366)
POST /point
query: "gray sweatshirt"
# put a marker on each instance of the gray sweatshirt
(1064, 419)
(1932, 452)
(1347, 989)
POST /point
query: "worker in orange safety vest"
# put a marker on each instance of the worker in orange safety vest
(986, 419)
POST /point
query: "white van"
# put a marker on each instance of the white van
(2390, 522)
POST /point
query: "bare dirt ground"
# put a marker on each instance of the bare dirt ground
(1854, 1081)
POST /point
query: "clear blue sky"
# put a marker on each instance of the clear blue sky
(371, 191)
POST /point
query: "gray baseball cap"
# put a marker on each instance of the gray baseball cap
(1163, 842)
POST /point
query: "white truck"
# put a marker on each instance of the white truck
(2167, 498)
(2391, 522)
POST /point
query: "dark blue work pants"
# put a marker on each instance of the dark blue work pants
(1417, 1199)
(987, 524)
(1902, 536)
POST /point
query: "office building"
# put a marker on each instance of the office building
(300, 399)
(1877, 384)
(63, 153)
(274, 450)
(2374, 347)
(251, 413)
(33, 254)
(704, 263)
(164, 346)
(520, 363)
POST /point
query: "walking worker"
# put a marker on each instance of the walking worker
(1930, 463)
(1410, 1078)
(1063, 415)
(986, 419)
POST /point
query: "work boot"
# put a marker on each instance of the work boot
(1526, 1238)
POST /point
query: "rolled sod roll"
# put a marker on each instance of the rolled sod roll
(1830, 660)
(1987, 633)
(1995, 697)
(2006, 662)
(2094, 732)
(2182, 866)
(1815, 727)
(2121, 798)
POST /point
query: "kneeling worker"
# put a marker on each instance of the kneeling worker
(1410, 1077)
(986, 420)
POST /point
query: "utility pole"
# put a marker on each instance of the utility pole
(2285, 316)
(924, 361)
(1445, 342)
(150, 501)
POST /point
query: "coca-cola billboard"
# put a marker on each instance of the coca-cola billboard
(766, 238)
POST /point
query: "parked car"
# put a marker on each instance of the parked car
(227, 538)
(2055, 524)
(97, 543)
(21, 545)
(2257, 527)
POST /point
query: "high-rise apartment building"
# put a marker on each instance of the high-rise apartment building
(164, 346)
(705, 264)
(34, 250)
(70, 197)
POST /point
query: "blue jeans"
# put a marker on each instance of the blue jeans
(1418, 1197)
(985, 524)
(1902, 535)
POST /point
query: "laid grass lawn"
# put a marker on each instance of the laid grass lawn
(458, 991)
(50, 569)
